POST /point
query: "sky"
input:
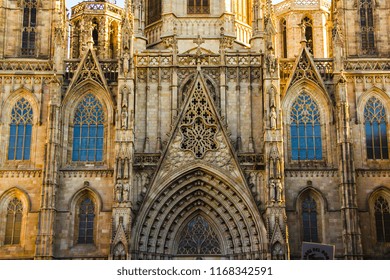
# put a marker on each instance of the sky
(71, 3)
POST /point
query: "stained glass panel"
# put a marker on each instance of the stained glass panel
(376, 129)
(88, 130)
(20, 131)
(305, 129)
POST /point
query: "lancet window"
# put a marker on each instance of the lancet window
(198, 6)
(13, 225)
(382, 219)
(88, 130)
(154, 11)
(86, 221)
(309, 220)
(29, 27)
(308, 26)
(376, 129)
(20, 131)
(305, 129)
(283, 27)
(367, 26)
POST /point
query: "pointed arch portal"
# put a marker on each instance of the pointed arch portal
(199, 204)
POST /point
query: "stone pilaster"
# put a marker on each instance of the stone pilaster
(348, 194)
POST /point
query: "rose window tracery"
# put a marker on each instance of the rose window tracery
(198, 126)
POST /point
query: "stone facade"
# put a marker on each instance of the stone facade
(166, 130)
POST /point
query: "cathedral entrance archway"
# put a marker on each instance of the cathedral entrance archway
(199, 215)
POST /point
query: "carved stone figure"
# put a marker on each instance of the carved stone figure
(273, 116)
(118, 192)
(272, 191)
(126, 191)
(278, 191)
(126, 63)
(271, 61)
(124, 118)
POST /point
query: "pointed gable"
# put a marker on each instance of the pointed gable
(89, 69)
(199, 137)
(305, 69)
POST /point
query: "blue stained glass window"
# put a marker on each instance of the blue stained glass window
(88, 131)
(20, 131)
(309, 220)
(376, 129)
(305, 129)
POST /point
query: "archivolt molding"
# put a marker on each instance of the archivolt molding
(379, 191)
(6, 197)
(86, 191)
(317, 93)
(377, 93)
(73, 98)
(200, 192)
(9, 103)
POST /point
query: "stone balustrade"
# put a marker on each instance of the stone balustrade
(293, 5)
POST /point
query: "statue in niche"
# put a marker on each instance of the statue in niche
(273, 116)
(271, 60)
(119, 192)
(126, 62)
(278, 191)
(303, 31)
(274, 163)
(124, 118)
(126, 191)
(272, 191)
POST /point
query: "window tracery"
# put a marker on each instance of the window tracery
(198, 7)
(199, 126)
(376, 129)
(305, 129)
(13, 226)
(29, 27)
(198, 238)
(20, 131)
(367, 26)
(382, 219)
(88, 130)
(86, 221)
(309, 220)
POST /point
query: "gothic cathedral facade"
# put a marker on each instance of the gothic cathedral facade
(204, 129)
